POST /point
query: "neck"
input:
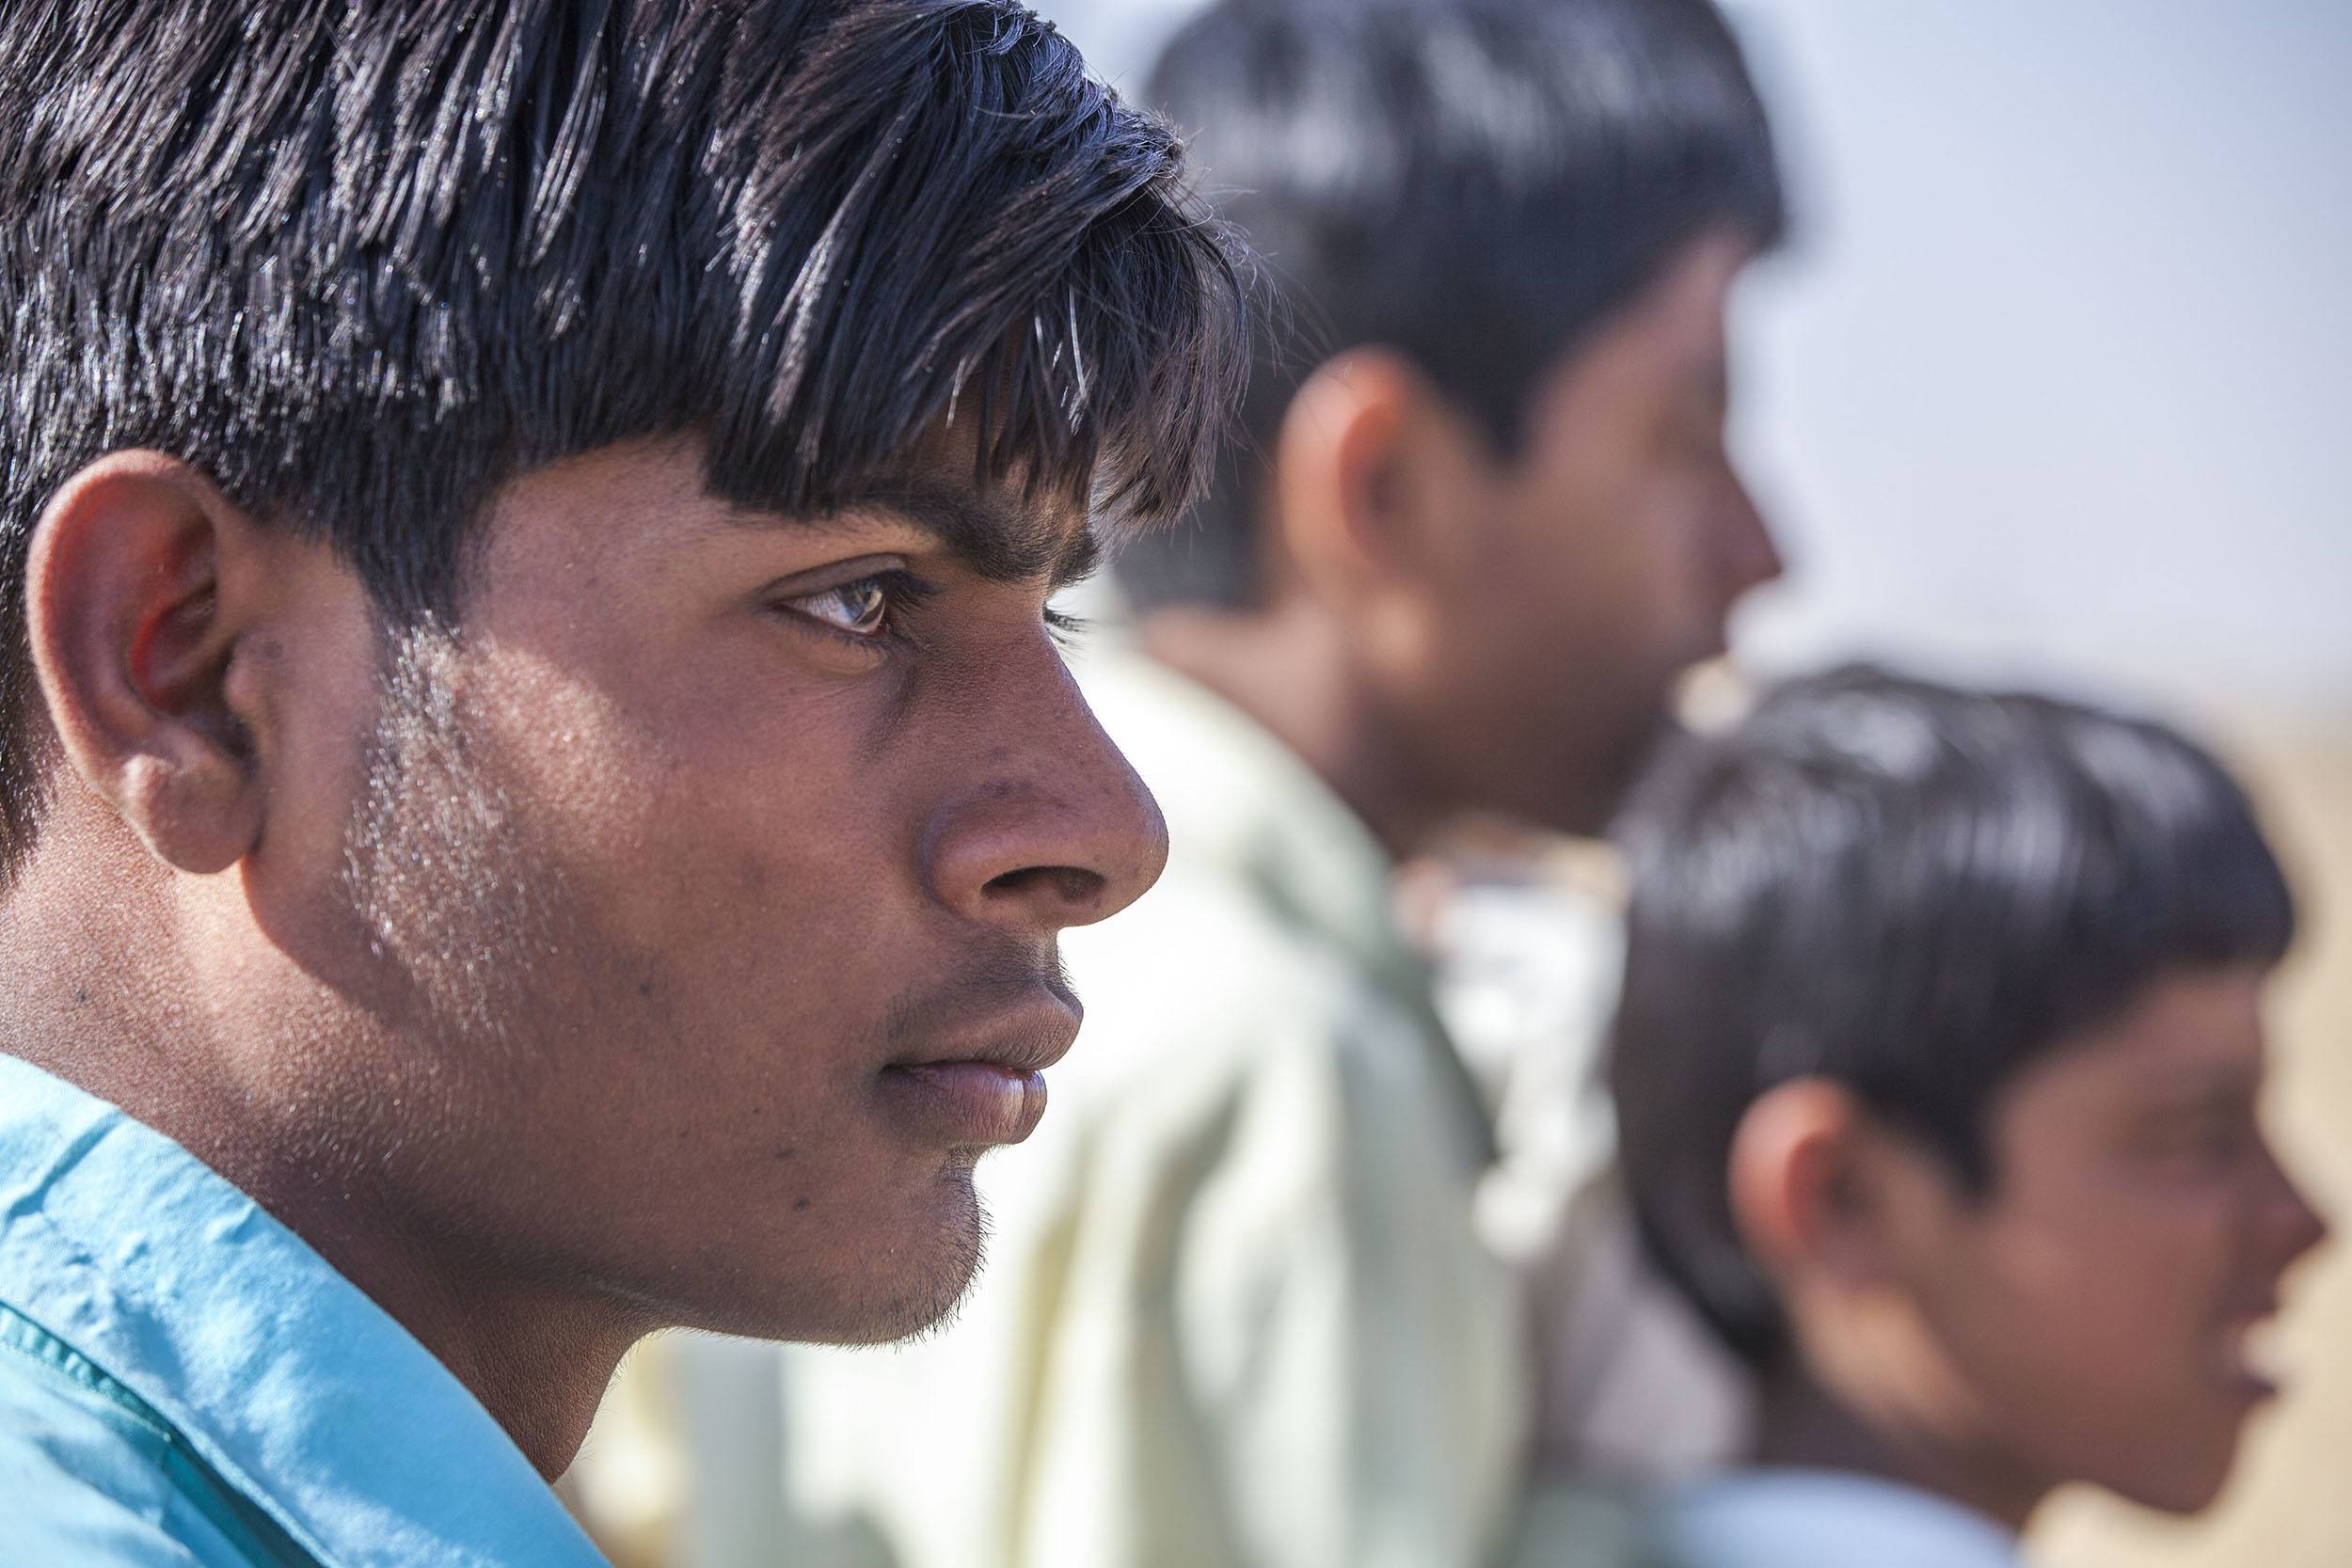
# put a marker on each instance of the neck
(1289, 670)
(100, 997)
(1803, 1424)
(537, 1356)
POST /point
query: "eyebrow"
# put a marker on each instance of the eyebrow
(1001, 541)
(2173, 1086)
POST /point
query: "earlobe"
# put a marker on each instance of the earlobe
(135, 601)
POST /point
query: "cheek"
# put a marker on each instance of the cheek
(708, 791)
(712, 853)
(2085, 1329)
(736, 918)
(1641, 589)
(1683, 539)
(2112, 1287)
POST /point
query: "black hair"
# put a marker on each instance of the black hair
(1910, 889)
(1474, 183)
(362, 260)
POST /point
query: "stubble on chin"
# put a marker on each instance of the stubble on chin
(956, 1250)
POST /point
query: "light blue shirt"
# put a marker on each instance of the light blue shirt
(184, 1382)
(1799, 1518)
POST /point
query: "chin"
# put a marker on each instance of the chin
(908, 1277)
(1583, 800)
(883, 1271)
(2182, 1482)
(923, 1307)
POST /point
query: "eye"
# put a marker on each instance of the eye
(2205, 1137)
(859, 609)
(866, 610)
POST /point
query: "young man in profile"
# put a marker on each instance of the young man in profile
(1239, 1310)
(538, 793)
(1937, 1070)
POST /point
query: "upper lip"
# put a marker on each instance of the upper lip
(2254, 1308)
(1028, 1036)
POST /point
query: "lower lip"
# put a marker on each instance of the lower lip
(967, 1103)
(2245, 1379)
(2246, 1389)
(2253, 1388)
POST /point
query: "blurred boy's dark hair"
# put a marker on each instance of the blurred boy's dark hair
(1476, 184)
(1912, 891)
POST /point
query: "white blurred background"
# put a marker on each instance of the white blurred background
(2060, 378)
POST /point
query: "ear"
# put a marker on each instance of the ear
(140, 579)
(1361, 479)
(1809, 1187)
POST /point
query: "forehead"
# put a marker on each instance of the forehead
(1667, 342)
(998, 531)
(2189, 1033)
(634, 501)
(1004, 527)
(1680, 314)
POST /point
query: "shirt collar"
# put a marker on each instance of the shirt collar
(282, 1375)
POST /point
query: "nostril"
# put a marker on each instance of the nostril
(1071, 885)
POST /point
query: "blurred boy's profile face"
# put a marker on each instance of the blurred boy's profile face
(2090, 1313)
(1595, 565)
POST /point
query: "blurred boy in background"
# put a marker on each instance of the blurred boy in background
(1481, 521)
(1937, 1071)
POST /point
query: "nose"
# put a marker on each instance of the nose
(2291, 1225)
(1751, 557)
(1053, 829)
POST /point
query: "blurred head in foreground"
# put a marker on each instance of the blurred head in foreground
(1938, 1068)
(536, 520)
(1481, 518)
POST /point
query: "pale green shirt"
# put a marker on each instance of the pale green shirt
(1236, 1309)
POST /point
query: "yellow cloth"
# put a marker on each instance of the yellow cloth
(1236, 1310)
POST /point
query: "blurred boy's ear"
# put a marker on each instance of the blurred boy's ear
(1372, 466)
(1813, 1185)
